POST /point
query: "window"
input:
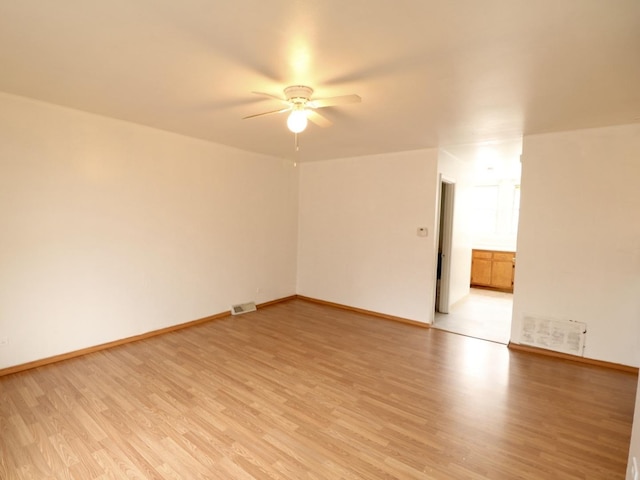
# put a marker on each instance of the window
(485, 209)
(496, 209)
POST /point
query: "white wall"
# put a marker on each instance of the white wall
(461, 172)
(579, 237)
(358, 244)
(111, 229)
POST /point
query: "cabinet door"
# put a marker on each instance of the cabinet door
(481, 271)
(502, 273)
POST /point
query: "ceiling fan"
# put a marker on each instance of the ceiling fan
(298, 102)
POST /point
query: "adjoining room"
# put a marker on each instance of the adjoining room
(487, 208)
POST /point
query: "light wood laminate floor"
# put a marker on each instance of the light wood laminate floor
(304, 391)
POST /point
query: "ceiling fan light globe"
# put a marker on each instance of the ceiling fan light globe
(297, 121)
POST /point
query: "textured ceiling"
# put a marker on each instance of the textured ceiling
(430, 72)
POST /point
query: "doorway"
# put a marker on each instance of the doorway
(487, 200)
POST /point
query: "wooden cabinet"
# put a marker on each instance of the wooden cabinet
(481, 267)
(492, 269)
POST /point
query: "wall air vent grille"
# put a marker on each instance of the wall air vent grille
(243, 308)
(566, 336)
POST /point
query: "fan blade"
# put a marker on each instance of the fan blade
(282, 110)
(318, 119)
(333, 101)
(272, 96)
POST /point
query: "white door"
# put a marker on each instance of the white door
(445, 233)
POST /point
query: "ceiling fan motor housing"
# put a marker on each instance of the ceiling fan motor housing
(298, 94)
